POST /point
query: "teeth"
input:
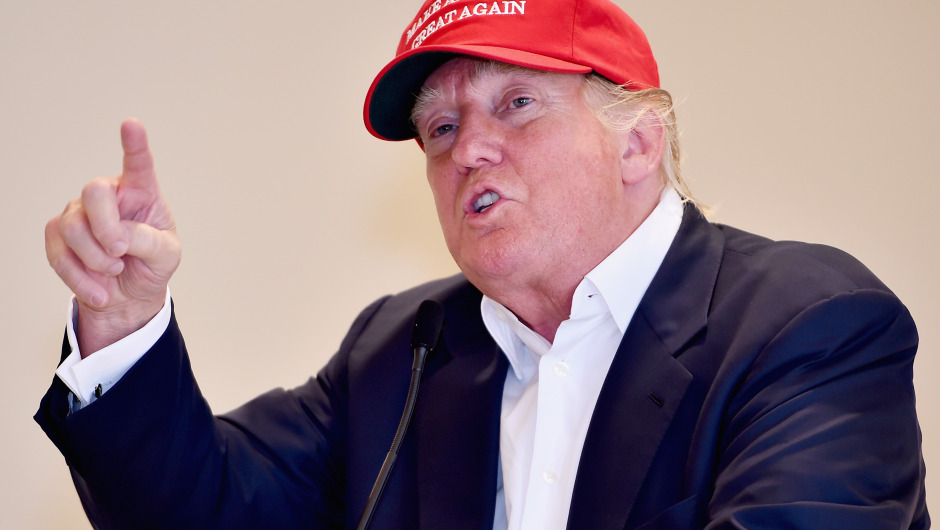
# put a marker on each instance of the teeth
(485, 201)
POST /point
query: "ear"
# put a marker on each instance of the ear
(643, 148)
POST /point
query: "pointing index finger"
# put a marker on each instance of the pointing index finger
(138, 161)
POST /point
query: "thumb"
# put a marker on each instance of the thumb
(159, 249)
(138, 161)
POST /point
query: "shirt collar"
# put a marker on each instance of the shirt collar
(623, 277)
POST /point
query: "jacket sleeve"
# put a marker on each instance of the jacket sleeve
(822, 431)
(150, 454)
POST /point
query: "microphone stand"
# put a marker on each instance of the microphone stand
(428, 323)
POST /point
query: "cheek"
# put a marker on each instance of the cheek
(444, 192)
(436, 181)
(577, 165)
(580, 188)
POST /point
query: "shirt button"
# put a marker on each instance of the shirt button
(549, 476)
(561, 369)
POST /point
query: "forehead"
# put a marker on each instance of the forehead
(475, 67)
(469, 69)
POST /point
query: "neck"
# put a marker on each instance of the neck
(539, 309)
(543, 301)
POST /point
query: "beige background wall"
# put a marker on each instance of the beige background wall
(808, 119)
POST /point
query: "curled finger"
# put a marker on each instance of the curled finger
(75, 232)
(71, 270)
(99, 202)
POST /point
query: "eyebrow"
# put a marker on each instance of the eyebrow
(424, 100)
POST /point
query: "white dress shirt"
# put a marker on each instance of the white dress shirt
(550, 390)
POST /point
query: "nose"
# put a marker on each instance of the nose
(479, 142)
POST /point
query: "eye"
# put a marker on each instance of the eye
(442, 130)
(520, 102)
(438, 127)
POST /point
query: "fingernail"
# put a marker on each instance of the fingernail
(116, 269)
(118, 249)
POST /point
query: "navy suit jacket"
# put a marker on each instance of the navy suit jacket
(760, 384)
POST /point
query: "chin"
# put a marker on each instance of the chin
(492, 265)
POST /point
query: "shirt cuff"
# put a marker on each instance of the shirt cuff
(90, 378)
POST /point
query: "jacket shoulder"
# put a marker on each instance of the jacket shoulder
(760, 261)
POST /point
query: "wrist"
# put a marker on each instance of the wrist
(98, 328)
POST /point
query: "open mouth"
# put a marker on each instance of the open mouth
(485, 201)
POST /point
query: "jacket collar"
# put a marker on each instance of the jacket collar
(646, 383)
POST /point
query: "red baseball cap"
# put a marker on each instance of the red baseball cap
(573, 36)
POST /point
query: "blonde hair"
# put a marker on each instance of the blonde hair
(622, 109)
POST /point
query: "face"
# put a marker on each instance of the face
(526, 180)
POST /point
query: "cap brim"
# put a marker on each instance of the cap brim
(387, 111)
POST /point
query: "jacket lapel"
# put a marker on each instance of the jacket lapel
(646, 382)
(457, 421)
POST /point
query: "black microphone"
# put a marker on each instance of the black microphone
(428, 323)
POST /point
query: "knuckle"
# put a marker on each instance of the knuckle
(72, 205)
(51, 230)
(96, 187)
(74, 208)
(73, 228)
(53, 246)
(55, 261)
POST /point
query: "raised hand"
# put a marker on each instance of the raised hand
(116, 247)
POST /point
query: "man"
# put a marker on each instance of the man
(608, 358)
